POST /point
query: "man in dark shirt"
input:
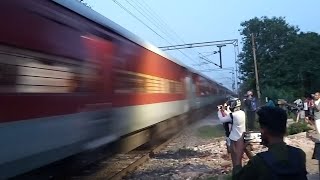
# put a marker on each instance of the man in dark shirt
(280, 161)
(250, 109)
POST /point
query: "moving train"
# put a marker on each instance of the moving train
(71, 80)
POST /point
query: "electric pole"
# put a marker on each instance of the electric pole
(220, 46)
(255, 66)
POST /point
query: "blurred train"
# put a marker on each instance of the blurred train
(71, 80)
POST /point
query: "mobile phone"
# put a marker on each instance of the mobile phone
(252, 137)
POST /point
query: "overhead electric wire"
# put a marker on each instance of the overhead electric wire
(120, 5)
(154, 22)
(160, 22)
(128, 11)
(149, 16)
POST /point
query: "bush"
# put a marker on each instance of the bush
(298, 127)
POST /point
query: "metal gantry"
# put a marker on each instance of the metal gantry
(219, 44)
(201, 44)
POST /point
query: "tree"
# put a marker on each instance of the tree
(305, 55)
(284, 57)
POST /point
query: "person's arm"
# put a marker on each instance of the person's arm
(224, 119)
(247, 172)
(317, 107)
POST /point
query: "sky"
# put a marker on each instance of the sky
(192, 21)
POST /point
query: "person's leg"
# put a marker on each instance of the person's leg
(302, 115)
(250, 120)
(317, 125)
(306, 116)
(232, 148)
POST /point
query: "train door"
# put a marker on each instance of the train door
(101, 125)
(190, 87)
(100, 54)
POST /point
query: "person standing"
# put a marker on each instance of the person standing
(316, 109)
(281, 161)
(311, 109)
(306, 109)
(300, 111)
(236, 118)
(250, 105)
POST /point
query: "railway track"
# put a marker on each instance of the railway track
(121, 164)
(114, 161)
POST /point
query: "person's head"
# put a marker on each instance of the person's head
(234, 104)
(316, 95)
(273, 123)
(249, 93)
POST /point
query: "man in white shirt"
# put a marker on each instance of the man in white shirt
(317, 111)
(300, 113)
(234, 115)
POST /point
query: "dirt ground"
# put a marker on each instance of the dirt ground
(200, 153)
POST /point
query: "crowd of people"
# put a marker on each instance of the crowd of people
(281, 161)
(308, 109)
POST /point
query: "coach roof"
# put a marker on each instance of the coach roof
(94, 16)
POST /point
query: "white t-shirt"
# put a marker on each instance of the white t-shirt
(305, 106)
(239, 123)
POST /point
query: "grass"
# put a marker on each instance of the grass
(211, 131)
(292, 116)
(297, 127)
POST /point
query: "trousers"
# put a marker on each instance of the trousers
(251, 117)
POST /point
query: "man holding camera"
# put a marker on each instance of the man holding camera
(281, 161)
(234, 120)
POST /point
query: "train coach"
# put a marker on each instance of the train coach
(71, 80)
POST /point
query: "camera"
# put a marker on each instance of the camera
(252, 137)
(222, 107)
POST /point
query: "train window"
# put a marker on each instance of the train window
(131, 82)
(7, 76)
(28, 72)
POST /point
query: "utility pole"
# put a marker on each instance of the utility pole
(255, 66)
(220, 46)
(236, 53)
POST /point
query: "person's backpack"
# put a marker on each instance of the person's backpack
(295, 170)
(226, 126)
(226, 129)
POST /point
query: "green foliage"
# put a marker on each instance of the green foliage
(286, 58)
(292, 116)
(275, 93)
(298, 127)
(211, 131)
